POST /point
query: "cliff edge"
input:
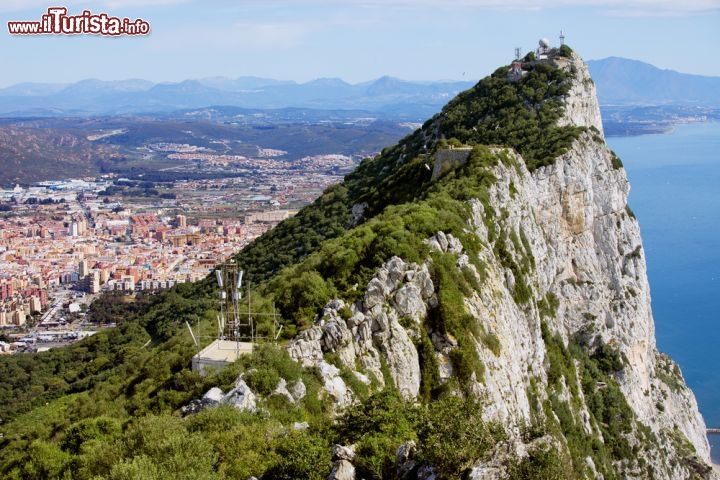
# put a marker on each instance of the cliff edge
(555, 305)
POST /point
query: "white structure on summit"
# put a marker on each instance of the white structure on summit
(543, 48)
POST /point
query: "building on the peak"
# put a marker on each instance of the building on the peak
(543, 49)
(544, 53)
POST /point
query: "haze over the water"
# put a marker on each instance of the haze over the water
(355, 40)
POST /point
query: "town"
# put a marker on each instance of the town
(62, 243)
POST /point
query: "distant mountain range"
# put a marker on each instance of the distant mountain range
(619, 82)
(398, 98)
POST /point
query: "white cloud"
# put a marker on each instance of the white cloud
(688, 5)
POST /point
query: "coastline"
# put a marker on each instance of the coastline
(638, 129)
(714, 440)
(688, 156)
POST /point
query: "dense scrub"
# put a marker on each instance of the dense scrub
(87, 435)
(520, 114)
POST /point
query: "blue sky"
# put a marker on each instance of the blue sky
(356, 40)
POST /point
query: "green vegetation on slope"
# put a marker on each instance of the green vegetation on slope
(86, 435)
(108, 407)
(520, 114)
(496, 111)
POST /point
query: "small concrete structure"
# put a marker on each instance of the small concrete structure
(449, 158)
(219, 354)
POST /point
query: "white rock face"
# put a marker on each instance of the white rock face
(572, 221)
(588, 253)
(582, 108)
(398, 290)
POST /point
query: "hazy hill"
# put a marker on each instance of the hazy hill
(619, 81)
(401, 99)
(624, 81)
(54, 148)
(34, 154)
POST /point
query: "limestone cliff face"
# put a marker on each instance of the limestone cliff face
(589, 254)
(585, 247)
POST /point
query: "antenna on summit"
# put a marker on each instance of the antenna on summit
(517, 53)
(562, 37)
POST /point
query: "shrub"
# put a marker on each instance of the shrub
(452, 443)
(541, 464)
(301, 455)
(565, 51)
(378, 426)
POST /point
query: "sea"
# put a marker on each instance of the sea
(675, 194)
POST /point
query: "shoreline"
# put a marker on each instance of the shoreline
(714, 452)
(638, 129)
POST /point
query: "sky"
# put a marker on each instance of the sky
(356, 40)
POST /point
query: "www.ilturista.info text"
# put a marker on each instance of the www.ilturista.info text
(56, 21)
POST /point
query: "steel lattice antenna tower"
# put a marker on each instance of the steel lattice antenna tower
(229, 280)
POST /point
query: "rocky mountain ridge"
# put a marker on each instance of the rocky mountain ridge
(586, 276)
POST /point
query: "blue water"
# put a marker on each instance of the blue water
(675, 180)
(715, 448)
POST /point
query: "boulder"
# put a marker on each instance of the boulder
(340, 452)
(298, 390)
(342, 470)
(282, 390)
(241, 397)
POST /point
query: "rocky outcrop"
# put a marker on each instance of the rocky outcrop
(240, 397)
(342, 469)
(373, 333)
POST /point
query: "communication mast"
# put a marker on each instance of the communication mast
(236, 329)
(230, 326)
(562, 38)
(517, 53)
